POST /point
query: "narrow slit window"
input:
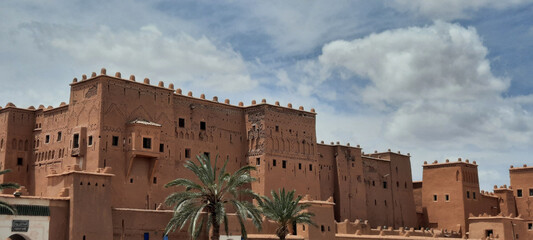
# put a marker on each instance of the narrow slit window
(187, 153)
(76, 141)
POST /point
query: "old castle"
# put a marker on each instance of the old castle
(95, 169)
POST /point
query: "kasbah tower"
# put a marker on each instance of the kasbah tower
(95, 168)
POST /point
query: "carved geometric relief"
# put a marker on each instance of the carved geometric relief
(91, 92)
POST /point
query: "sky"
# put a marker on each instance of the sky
(440, 80)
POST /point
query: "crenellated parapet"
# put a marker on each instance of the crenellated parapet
(178, 91)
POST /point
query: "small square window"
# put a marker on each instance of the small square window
(447, 197)
(114, 141)
(385, 185)
(310, 167)
(530, 226)
(284, 164)
(19, 161)
(202, 126)
(531, 192)
(258, 161)
(47, 139)
(59, 136)
(161, 147)
(131, 180)
(273, 162)
(181, 122)
(519, 192)
(207, 155)
(90, 141)
(187, 153)
(147, 143)
(435, 198)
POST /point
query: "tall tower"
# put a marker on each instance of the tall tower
(282, 145)
(450, 193)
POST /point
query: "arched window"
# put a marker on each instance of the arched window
(14, 144)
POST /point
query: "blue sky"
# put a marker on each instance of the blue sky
(438, 79)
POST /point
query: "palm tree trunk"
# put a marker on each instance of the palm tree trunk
(215, 228)
(282, 232)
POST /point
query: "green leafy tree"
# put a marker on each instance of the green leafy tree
(285, 210)
(6, 186)
(205, 202)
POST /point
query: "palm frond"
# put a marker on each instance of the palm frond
(8, 207)
(204, 200)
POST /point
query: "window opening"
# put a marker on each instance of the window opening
(147, 143)
(114, 141)
(76, 141)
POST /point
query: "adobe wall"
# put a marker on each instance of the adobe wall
(400, 181)
(341, 177)
(379, 197)
(507, 203)
(522, 179)
(502, 227)
(143, 176)
(440, 180)
(324, 219)
(284, 143)
(90, 203)
(16, 143)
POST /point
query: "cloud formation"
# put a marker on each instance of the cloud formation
(452, 9)
(434, 83)
(180, 59)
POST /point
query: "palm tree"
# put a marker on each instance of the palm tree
(285, 211)
(3, 186)
(205, 202)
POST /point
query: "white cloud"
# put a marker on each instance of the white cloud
(179, 59)
(434, 84)
(451, 9)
